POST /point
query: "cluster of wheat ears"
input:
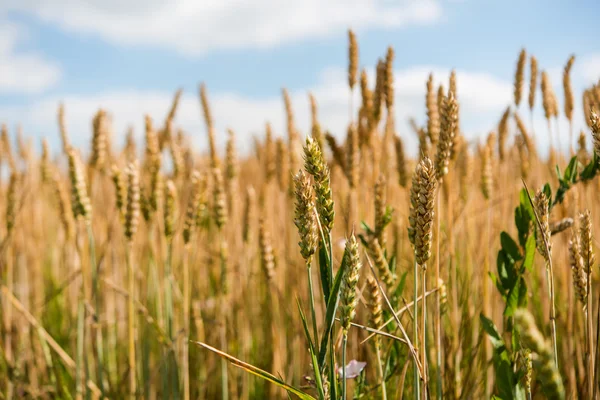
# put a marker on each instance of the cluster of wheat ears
(164, 273)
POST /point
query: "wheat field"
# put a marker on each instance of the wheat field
(158, 272)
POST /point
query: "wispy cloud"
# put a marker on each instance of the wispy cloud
(23, 72)
(195, 27)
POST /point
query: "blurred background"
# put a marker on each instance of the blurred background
(129, 57)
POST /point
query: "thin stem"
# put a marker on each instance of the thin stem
(589, 333)
(224, 290)
(96, 299)
(131, 320)
(424, 334)
(80, 368)
(312, 303)
(417, 386)
(7, 314)
(486, 300)
(344, 342)
(380, 367)
(595, 372)
(550, 277)
(571, 149)
(438, 312)
(186, 323)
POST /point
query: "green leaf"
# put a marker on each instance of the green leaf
(305, 326)
(332, 308)
(506, 270)
(529, 253)
(571, 170)
(392, 264)
(256, 371)
(504, 376)
(400, 286)
(510, 246)
(365, 227)
(512, 300)
(318, 380)
(547, 191)
(522, 293)
(324, 269)
(495, 337)
(591, 169)
(497, 283)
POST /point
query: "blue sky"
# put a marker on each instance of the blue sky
(130, 58)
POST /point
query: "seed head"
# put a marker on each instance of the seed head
(543, 360)
(543, 233)
(170, 209)
(305, 217)
(64, 207)
(448, 128)
(569, 100)
(11, 202)
(132, 211)
(400, 161)
(595, 127)
(315, 165)
(486, 172)
(379, 93)
(249, 214)
(99, 139)
(283, 164)
(352, 59)
(62, 126)
(578, 269)
(374, 303)
(533, 74)
(189, 223)
(433, 116)
(45, 162)
(349, 298)
(389, 79)
(266, 251)
(503, 133)
(381, 264)
(82, 207)
(220, 213)
(586, 238)
(120, 190)
(352, 157)
(270, 156)
(520, 76)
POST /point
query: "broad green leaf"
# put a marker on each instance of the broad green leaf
(512, 300)
(529, 253)
(571, 170)
(495, 337)
(504, 377)
(256, 371)
(510, 246)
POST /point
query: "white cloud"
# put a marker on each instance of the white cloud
(23, 72)
(590, 68)
(483, 98)
(195, 27)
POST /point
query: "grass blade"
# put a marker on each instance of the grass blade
(257, 371)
